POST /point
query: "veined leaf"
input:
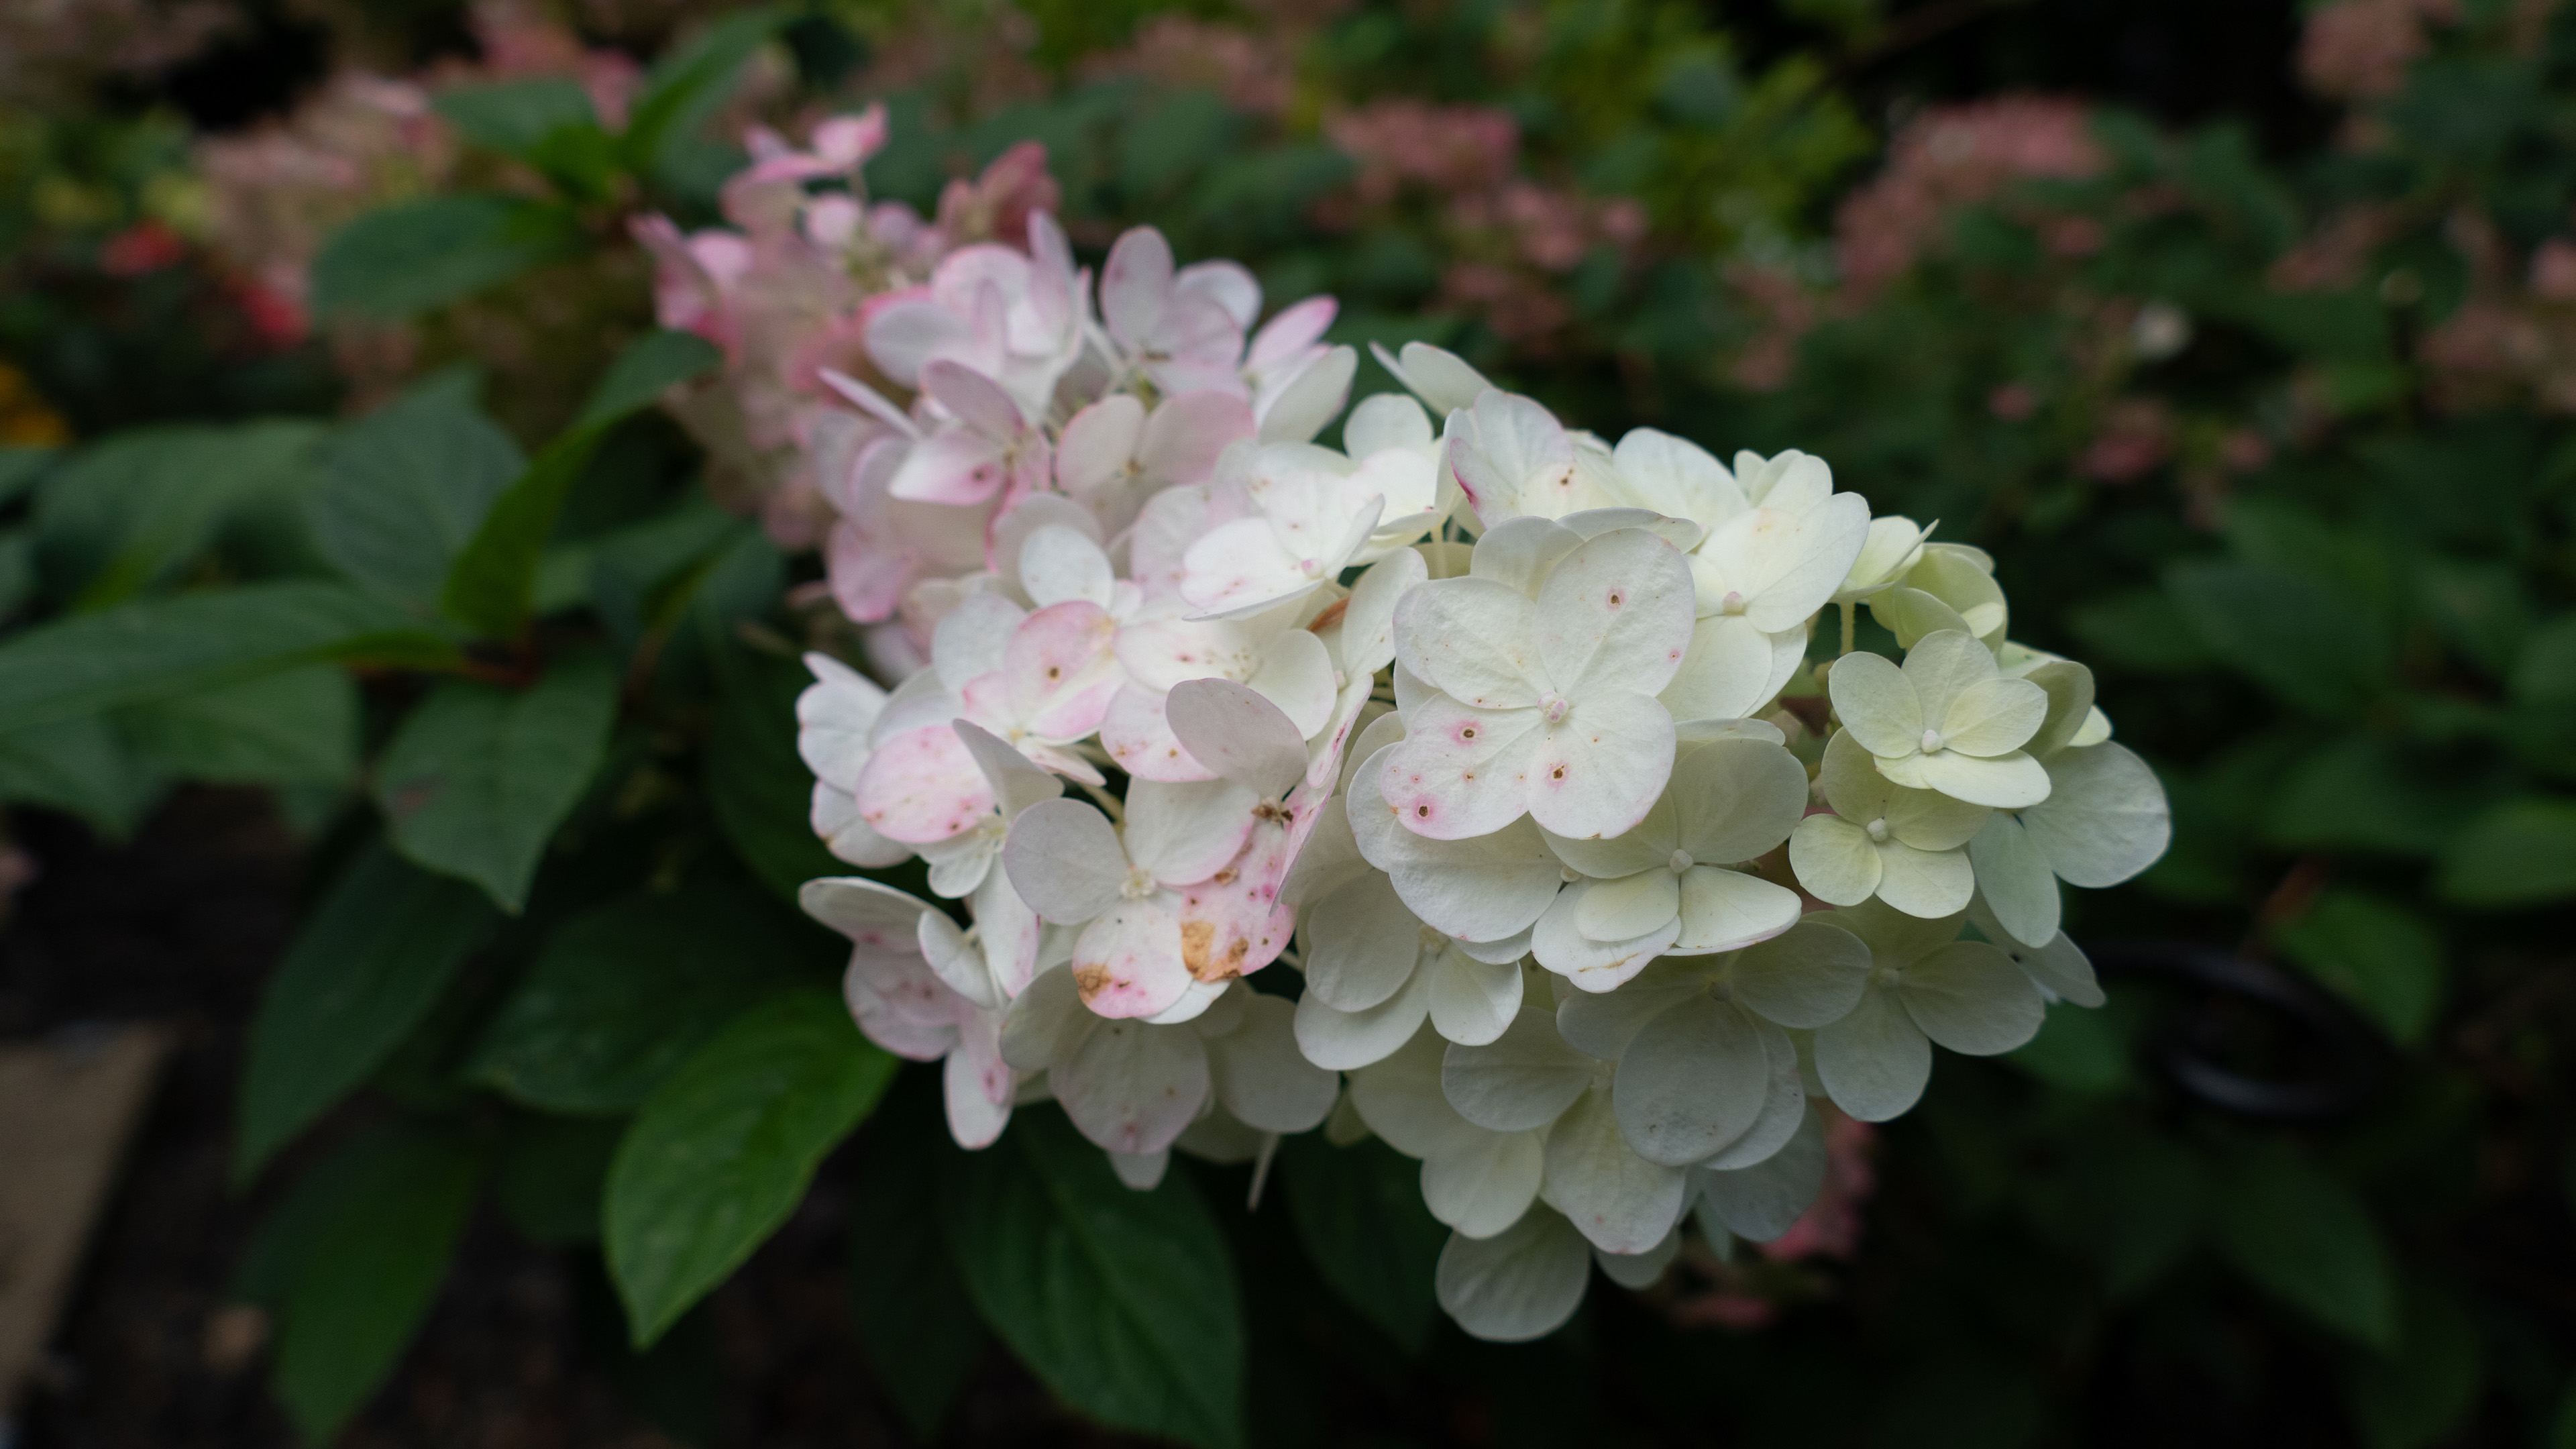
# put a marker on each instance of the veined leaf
(406, 259)
(157, 648)
(1122, 1302)
(725, 1147)
(478, 777)
(295, 727)
(2303, 1237)
(1359, 1212)
(361, 973)
(405, 488)
(911, 1308)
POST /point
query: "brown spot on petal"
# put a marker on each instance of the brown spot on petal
(1331, 616)
(1223, 877)
(1091, 980)
(1197, 937)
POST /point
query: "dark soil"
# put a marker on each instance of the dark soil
(180, 926)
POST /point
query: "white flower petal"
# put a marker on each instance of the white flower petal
(1692, 1080)
(1471, 640)
(1261, 1078)
(1874, 1061)
(1065, 860)
(1614, 615)
(2012, 873)
(1131, 1087)
(1725, 910)
(1239, 734)
(1441, 378)
(1361, 945)
(1762, 1202)
(2058, 968)
(1345, 1041)
(1472, 1002)
(1560, 946)
(1809, 976)
(1834, 859)
(1140, 1171)
(1993, 716)
(1487, 888)
(2006, 782)
(1602, 1023)
(1519, 1081)
(1518, 1285)
(1600, 770)
(1313, 399)
(1485, 1182)
(1620, 1201)
(1784, 1107)
(1969, 997)
(1623, 909)
(2105, 818)
(1183, 834)
(1877, 704)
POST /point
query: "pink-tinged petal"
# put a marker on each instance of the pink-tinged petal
(1057, 564)
(1098, 445)
(1136, 286)
(1168, 525)
(1597, 773)
(1615, 615)
(1238, 734)
(1463, 772)
(1214, 372)
(1470, 639)
(955, 465)
(1130, 1087)
(1243, 566)
(910, 329)
(923, 786)
(1064, 859)
(1161, 652)
(1506, 453)
(893, 1006)
(1296, 328)
(1139, 737)
(848, 141)
(1197, 332)
(1184, 437)
(970, 270)
(1128, 962)
(978, 1083)
(1010, 931)
(975, 400)
(1062, 669)
(1227, 285)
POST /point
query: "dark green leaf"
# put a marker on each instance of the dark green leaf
(684, 87)
(515, 116)
(374, 1237)
(405, 488)
(1124, 1303)
(493, 582)
(2366, 792)
(409, 258)
(2143, 630)
(648, 366)
(552, 1175)
(2383, 958)
(132, 511)
(84, 765)
(724, 1148)
(2076, 1050)
(479, 776)
(299, 726)
(2520, 853)
(2303, 1237)
(1359, 1212)
(157, 648)
(21, 467)
(621, 996)
(361, 973)
(2419, 1393)
(2316, 649)
(910, 1306)
(17, 569)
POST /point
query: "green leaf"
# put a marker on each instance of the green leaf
(299, 726)
(618, 998)
(405, 488)
(724, 1148)
(1124, 1303)
(478, 777)
(402, 260)
(515, 117)
(84, 765)
(2383, 958)
(21, 468)
(2316, 649)
(372, 1231)
(2303, 1237)
(685, 86)
(649, 365)
(909, 1304)
(552, 1175)
(2419, 1393)
(2367, 792)
(362, 972)
(2077, 1051)
(2520, 853)
(1358, 1211)
(132, 511)
(2142, 630)
(157, 648)
(493, 583)
(17, 569)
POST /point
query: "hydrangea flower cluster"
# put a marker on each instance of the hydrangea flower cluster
(1502, 741)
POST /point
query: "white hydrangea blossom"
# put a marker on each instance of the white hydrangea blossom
(1517, 749)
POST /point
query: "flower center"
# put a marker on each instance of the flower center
(1877, 830)
(1931, 742)
(1137, 885)
(1733, 603)
(1556, 706)
(1680, 862)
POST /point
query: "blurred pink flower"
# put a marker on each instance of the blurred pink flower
(1253, 70)
(2136, 436)
(1446, 148)
(1954, 156)
(2360, 49)
(1831, 1226)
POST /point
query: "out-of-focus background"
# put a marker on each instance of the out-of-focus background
(2244, 332)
